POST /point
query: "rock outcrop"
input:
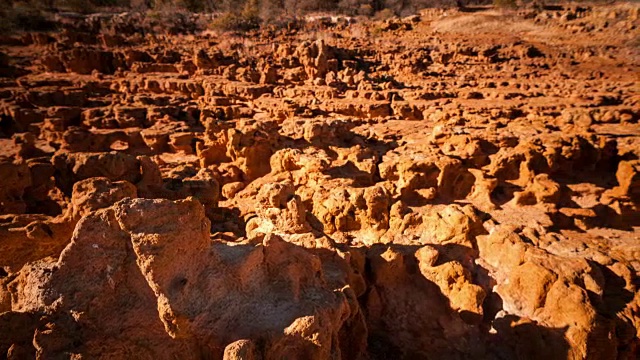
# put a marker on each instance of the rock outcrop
(445, 185)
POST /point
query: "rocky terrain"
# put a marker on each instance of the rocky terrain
(453, 185)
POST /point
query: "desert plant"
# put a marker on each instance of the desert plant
(245, 12)
(231, 21)
(248, 18)
(251, 9)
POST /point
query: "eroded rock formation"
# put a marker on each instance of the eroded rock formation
(450, 186)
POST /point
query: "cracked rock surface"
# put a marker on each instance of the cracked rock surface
(451, 185)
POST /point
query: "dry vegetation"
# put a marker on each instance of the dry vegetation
(32, 15)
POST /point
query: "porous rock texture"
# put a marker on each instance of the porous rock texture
(453, 185)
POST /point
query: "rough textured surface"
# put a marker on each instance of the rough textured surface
(453, 185)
